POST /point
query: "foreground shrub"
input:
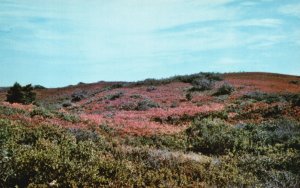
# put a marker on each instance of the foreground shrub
(246, 155)
(210, 136)
(51, 155)
(213, 136)
(40, 111)
(269, 152)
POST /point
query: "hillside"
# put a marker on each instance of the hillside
(200, 130)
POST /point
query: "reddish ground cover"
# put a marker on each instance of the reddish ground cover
(162, 109)
(265, 82)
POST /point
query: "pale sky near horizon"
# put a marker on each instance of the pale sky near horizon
(56, 43)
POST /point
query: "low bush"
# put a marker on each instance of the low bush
(296, 82)
(225, 89)
(173, 142)
(151, 88)
(146, 105)
(40, 111)
(266, 97)
(69, 117)
(78, 96)
(202, 84)
(210, 136)
(114, 96)
(184, 78)
(295, 100)
(39, 87)
(4, 110)
(213, 136)
(189, 96)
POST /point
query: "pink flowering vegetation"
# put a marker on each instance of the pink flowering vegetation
(146, 122)
(264, 82)
(19, 106)
(31, 114)
(121, 108)
(164, 96)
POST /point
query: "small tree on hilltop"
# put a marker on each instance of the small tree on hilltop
(19, 94)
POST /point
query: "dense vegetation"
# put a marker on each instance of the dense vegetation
(19, 94)
(265, 155)
(228, 137)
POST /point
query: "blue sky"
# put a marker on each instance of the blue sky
(57, 43)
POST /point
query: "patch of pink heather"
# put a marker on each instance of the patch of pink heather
(28, 107)
(140, 122)
(164, 113)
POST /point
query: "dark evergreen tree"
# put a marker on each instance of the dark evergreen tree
(19, 94)
(15, 94)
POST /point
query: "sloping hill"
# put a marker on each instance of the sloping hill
(200, 130)
(169, 105)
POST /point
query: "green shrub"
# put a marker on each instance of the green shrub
(44, 155)
(184, 78)
(114, 96)
(69, 117)
(244, 155)
(213, 136)
(19, 94)
(261, 96)
(210, 136)
(202, 84)
(173, 142)
(146, 105)
(225, 89)
(11, 111)
(40, 111)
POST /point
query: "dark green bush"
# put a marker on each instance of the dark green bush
(19, 94)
